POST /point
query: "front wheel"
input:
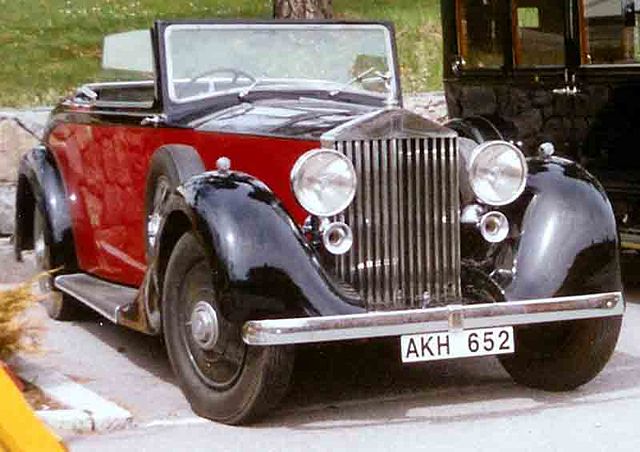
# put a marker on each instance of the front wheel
(224, 379)
(564, 355)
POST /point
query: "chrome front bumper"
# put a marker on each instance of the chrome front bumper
(448, 318)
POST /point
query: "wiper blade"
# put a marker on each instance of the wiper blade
(361, 76)
(243, 93)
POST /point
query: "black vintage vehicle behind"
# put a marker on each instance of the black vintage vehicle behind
(561, 72)
(247, 197)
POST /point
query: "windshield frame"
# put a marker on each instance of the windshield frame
(180, 106)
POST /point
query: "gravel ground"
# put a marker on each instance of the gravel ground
(12, 272)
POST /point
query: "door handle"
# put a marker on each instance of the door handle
(153, 120)
(567, 91)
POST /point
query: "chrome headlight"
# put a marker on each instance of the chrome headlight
(324, 182)
(497, 172)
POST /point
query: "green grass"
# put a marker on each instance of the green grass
(48, 47)
(418, 34)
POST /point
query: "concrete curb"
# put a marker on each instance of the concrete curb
(87, 412)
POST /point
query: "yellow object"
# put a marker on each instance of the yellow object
(20, 429)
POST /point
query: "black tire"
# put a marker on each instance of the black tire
(170, 166)
(562, 356)
(59, 306)
(233, 383)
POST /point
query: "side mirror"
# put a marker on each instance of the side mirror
(129, 51)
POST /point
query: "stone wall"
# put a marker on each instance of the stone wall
(535, 114)
(19, 132)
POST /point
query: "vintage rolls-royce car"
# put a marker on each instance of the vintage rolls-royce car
(265, 188)
(565, 73)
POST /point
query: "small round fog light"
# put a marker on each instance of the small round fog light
(494, 227)
(337, 238)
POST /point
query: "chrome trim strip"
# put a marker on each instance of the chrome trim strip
(437, 221)
(420, 215)
(427, 201)
(378, 220)
(369, 223)
(455, 243)
(441, 319)
(409, 244)
(360, 218)
(135, 83)
(376, 223)
(393, 226)
(443, 247)
(403, 291)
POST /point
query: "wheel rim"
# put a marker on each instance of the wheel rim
(53, 299)
(41, 252)
(39, 244)
(214, 345)
(162, 189)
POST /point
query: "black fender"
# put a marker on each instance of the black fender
(40, 184)
(270, 268)
(482, 128)
(567, 240)
(178, 163)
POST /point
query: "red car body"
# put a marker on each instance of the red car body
(105, 168)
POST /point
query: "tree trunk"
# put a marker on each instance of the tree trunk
(303, 9)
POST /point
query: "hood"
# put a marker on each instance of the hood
(299, 118)
(387, 123)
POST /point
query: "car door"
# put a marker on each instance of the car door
(543, 37)
(100, 148)
(512, 62)
(609, 78)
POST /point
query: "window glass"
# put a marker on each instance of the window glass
(610, 32)
(529, 18)
(539, 33)
(204, 60)
(480, 33)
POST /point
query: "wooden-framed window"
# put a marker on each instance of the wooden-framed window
(481, 33)
(538, 28)
(610, 32)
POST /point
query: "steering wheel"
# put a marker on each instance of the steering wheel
(237, 73)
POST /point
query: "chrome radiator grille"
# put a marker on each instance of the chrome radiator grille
(405, 221)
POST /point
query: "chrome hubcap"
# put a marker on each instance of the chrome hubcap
(204, 325)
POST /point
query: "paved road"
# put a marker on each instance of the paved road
(356, 397)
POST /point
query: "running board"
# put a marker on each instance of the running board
(104, 297)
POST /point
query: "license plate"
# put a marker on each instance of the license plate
(458, 344)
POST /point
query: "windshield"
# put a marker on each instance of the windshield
(205, 60)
